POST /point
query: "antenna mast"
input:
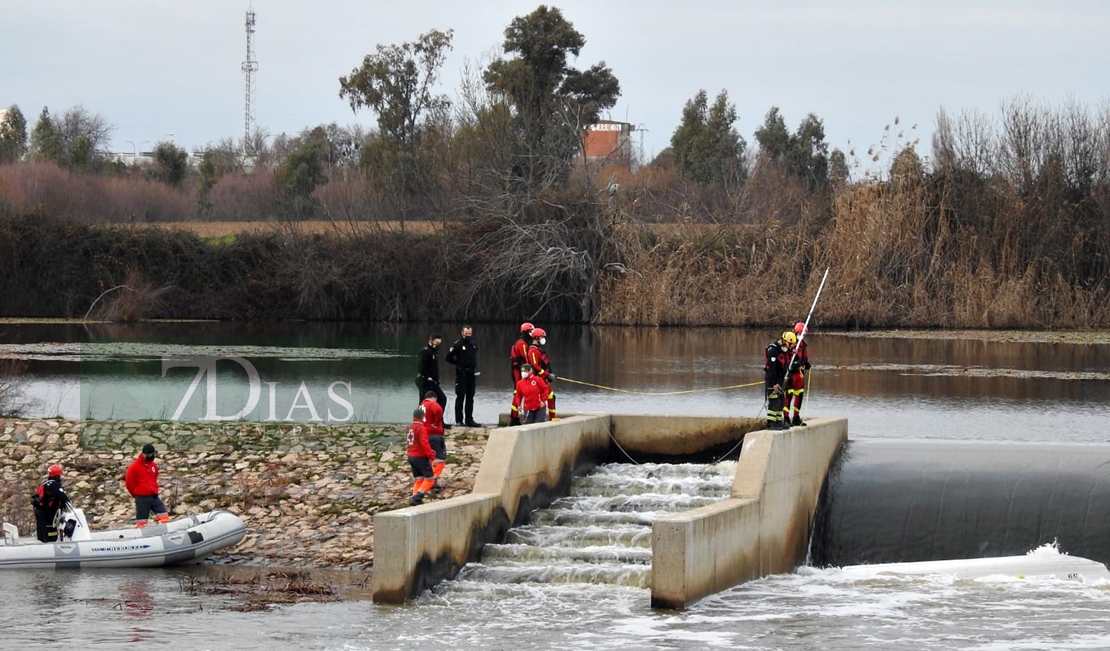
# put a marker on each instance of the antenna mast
(249, 67)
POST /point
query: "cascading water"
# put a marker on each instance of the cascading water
(601, 532)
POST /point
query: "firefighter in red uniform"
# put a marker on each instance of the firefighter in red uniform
(433, 424)
(537, 358)
(421, 456)
(533, 394)
(796, 384)
(142, 482)
(775, 358)
(48, 498)
(518, 356)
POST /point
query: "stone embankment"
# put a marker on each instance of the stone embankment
(308, 493)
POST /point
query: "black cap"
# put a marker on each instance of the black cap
(148, 449)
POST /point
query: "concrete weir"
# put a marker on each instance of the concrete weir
(762, 529)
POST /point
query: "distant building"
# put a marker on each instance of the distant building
(609, 143)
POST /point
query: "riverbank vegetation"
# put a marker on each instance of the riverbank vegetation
(484, 208)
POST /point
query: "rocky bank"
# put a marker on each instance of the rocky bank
(308, 493)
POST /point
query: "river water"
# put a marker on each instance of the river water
(888, 388)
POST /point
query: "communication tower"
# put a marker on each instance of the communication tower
(249, 67)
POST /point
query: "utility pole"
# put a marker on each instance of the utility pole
(641, 127)
(249, 67)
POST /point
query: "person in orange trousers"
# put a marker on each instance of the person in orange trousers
(420, 457)
(433, 423)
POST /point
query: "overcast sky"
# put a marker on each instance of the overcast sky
(156, 67)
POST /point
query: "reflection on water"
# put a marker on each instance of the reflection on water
(887, 387)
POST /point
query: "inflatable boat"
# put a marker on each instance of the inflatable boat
(1044, 562)
(178, 542)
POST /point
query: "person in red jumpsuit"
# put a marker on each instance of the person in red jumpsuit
(796, 383)
(537, 358)
(518, 356)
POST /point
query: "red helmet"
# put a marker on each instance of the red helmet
(539, 332)
(54, 471)
(800, 328)
(526, 327)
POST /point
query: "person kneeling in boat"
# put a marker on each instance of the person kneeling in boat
(142, 482)
(421, 457)
(49, 497)
(535, 395)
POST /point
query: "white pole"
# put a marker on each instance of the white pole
(805, 327)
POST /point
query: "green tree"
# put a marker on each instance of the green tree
(809, 153)
(45, 144)
(206, 180)
(74, 139)
(803, 153)
(13, 135)
(553, 102)
(299, 174)
(773, 137)
(838, 168)
(396, 83)
(170, 163)
(706, 147)
(907, 170)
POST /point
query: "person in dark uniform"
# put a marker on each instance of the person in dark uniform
(48, 498)
(464, 355)
(429, 370)
(796, 385)
(776, 357)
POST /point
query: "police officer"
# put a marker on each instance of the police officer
(429, 370)
(464, 355)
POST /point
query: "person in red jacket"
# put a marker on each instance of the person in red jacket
(433, 423)
(518, 356)
(420, 457)
(142, 482)
(536, 397)
(537, 358)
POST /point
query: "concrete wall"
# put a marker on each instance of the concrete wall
(762, 529)
(523, 468)
(647, 436)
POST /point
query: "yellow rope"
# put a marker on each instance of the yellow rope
(656, 393)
